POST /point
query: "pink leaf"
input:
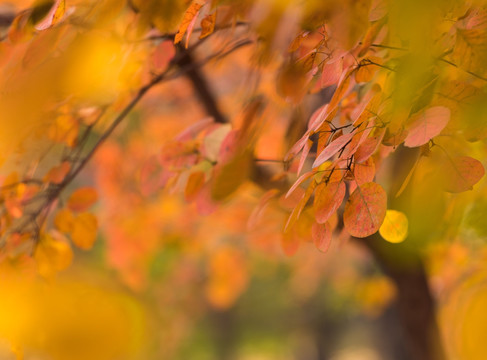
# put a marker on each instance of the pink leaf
(425, 125)
(332, 149)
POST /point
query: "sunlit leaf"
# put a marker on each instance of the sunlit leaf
(395, 226)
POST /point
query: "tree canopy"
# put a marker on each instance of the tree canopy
(184, 144)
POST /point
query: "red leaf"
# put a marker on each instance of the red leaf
(328, 198)
(365, 210)
(425, 125)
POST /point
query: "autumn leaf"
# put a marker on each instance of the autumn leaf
(321, 234)
(365, 210)
(57, 174)
(54, 15)
(207, 25)
(64, 220)
(188, 19)
(290, 243)
(52, 255)
(195, 183)
(84, 230)
(470, 51)
(82, 199)
(328, 198)
(334, 147)
(425, 125)
(367, 69)
(228, 177)
(394, 229)
(461, 173)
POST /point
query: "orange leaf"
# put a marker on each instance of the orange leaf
(189, 16)
(328, 198)
(64, 221)
(365, 210)
(195, 182)
(82, 199)
(208, 25)
(425, 125)
(84, 231)
(57, 174)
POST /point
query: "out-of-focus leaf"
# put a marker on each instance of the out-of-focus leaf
(228, 177)
(321, 234)
(84, 230)
(64, 220)
(470, 51)
(195, 183)
(365, 210)
(395, 227)
(461, 173)
(82, 199)
(57, 174)
(425, 125)
(52, 255)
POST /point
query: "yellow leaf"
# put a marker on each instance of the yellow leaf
(64, 221)
(52, 255)
(395, 227)
(84, 231)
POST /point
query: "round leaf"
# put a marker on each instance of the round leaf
(395, 227)
(365, 210)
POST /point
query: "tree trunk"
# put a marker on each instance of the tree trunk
(403, 263)
(414, 302)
